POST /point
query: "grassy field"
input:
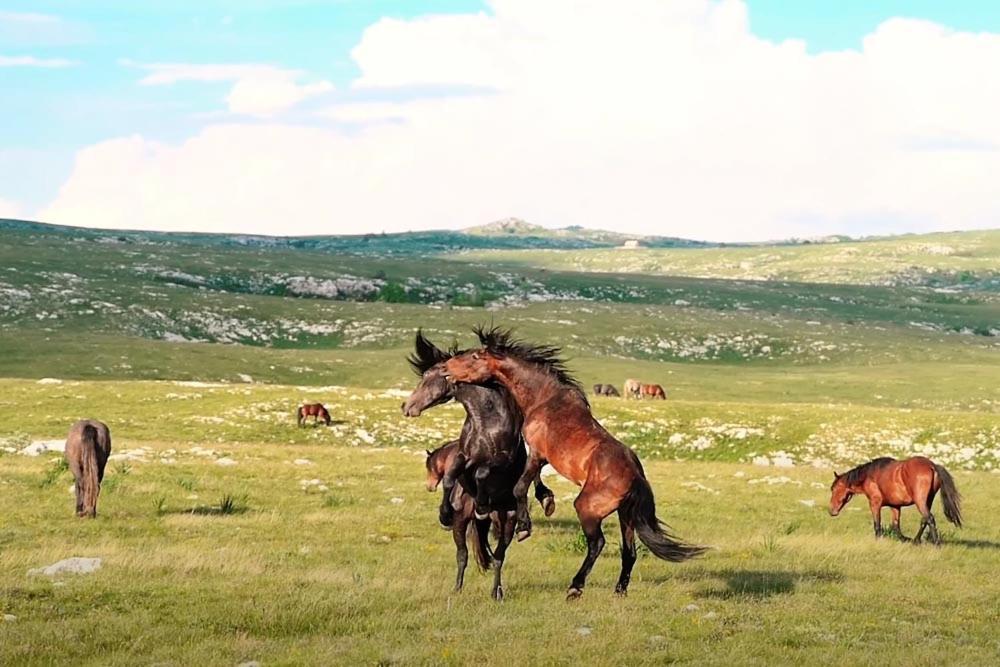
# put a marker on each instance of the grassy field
(228, 535)
(330, 554)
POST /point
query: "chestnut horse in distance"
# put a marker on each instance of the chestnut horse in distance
(559, 427)
(314, 410)
(896, 484)
(653, 391)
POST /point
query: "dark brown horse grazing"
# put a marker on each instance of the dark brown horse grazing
(464, 527)
(314, 410)
(605, 390)
(559, 427)
(87, 449)
(895, 484)
(653, 391)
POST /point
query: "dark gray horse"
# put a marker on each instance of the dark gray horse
(491, 453)
(605, 390)
(87, 449)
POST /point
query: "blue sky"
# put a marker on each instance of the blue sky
(49, 113)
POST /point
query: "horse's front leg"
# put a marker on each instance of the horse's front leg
(543, 494)
(446, 513)
(483, 508)
(523, 526)
(876, 507)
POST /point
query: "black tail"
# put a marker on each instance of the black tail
(950, 495)
(639, 509)
(480, 546)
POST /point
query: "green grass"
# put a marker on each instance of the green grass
(343, 575)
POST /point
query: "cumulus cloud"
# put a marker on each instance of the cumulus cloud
(646, 116)
(32, 61)
(258, 90)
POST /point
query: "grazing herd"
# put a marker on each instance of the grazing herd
(524, 410)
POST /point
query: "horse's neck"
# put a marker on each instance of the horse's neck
(530, 386)
(480, 402)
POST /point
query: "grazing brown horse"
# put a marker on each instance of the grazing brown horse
(632, 388)
(464, 527)
(895, 484)
(87, 449)
(559, 427)
(314, 410)
(653, 391)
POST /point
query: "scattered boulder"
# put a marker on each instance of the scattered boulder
(75, 565)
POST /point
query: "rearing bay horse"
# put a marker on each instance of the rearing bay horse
(559, 427)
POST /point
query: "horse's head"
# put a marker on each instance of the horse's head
(434, 388)
(326, 416)
(840, 494)
(474, 367)
(435, 471)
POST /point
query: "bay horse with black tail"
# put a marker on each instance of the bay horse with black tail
(491, 456)
(464, 528)
(559, 428)
(314, 410)
(87, 449)
(896, 484)
(653, 391)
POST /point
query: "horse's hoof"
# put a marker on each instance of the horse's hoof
(498, 594)
(549, 505)
(522, 535)
(480, 517)
(621, 592)
(573, 594)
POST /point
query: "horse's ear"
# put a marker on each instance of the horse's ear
(428, 453)
(836, 475)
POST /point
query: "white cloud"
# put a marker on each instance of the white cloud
(9, 209)
(258, 90)
(647, 116)
(32, 61)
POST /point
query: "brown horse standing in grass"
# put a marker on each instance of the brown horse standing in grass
(559, 427)
(87, 449)
(653, 391)
(314, 410)
(895, 484)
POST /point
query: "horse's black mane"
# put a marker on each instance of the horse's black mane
(426, 354)
(502, 342)
(858, 474)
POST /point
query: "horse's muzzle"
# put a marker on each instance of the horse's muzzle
(410, 410)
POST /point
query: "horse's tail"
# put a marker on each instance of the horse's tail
(480, 546)
(950, 495)
(88, 484)
(639, 509)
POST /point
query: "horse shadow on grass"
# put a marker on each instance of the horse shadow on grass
(757, 584)
(972, 544)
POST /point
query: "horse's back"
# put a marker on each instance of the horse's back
(102, 437)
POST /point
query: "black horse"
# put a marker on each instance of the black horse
(491, 454)
(605, 390)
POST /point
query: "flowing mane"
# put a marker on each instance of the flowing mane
(427, 355)
(858, 474)
(502, 342)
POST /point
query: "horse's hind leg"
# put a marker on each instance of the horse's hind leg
(506, 537)
(483, 508)
(591, 508)
(923, 496)
(628, 555)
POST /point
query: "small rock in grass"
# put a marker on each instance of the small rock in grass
(225, 461)
(396, 501)
(583, 631)
(808, 503)
(303, 462)
(9, 618)
(710, 615)
(249, 663)
(657, 639)
(691, 607)
(68, 566)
